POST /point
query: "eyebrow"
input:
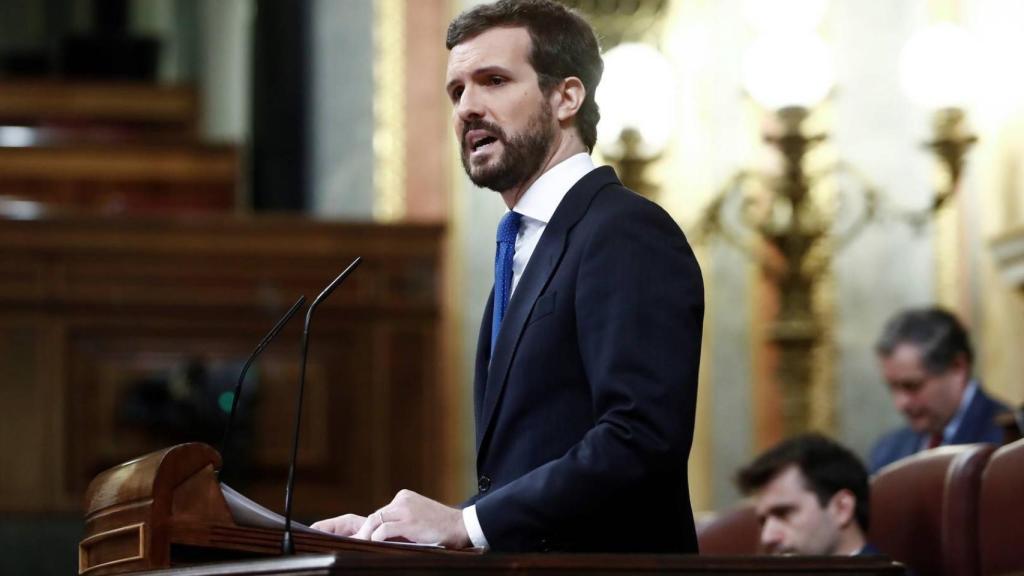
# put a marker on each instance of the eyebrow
(775, 511)
(781, 508)
(485, 71)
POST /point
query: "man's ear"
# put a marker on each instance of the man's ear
(961, 365)
(570, 95)
(842, 506)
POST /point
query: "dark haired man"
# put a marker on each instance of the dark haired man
(926, 359)
(811, 497)
(587, 360)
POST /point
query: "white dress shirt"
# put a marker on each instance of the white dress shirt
(536, 207)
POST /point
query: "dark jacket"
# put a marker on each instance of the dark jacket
(978, 425)
(585, 413)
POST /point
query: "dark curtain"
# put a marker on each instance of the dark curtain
(280, 157)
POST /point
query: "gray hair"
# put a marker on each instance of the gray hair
(936, 333)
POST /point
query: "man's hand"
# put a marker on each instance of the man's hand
(414, 518)
(345, 525)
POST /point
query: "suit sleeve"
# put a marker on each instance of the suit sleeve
(879, 455)
(639, 311)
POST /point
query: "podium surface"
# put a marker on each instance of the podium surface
(547, 564)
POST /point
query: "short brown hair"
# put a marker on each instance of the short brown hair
(826, 465)
(563, 45)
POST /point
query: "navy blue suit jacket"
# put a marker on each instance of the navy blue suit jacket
(978, 425)
(585, 412)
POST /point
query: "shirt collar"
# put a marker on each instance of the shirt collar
(543, 196)
(969, 393)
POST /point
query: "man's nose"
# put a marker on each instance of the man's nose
(469, 106)
(901, 400)
(771, 535)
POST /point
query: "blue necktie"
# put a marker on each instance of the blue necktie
(507, 230)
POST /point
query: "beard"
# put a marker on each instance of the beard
(521, 157)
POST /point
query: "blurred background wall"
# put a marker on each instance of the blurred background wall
(333, 112)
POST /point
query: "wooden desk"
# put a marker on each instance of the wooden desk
(553, 564)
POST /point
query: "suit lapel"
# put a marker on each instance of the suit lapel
(977, 419)
(543, 263)
(483, 359)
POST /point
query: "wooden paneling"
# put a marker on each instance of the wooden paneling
(111, 103)
(121, 178)
(117, 336)
(112, 148)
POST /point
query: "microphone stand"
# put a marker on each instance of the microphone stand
(287, 543)
(241, 377)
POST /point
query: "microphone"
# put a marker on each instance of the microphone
(241, 377)
(287, 544)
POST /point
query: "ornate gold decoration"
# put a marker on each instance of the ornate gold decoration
(631, 166)
(618, 21)
(822, 416)
(792, 224)
(950, 145)
(389, 110)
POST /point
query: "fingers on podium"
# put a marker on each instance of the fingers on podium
(369, 525)
(345, 525)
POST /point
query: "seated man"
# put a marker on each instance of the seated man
(926, 359)
(811, 497)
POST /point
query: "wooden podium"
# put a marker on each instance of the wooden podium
(167, 508)
(165, 513)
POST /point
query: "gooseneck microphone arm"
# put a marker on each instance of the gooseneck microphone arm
(241, 377)
(287, 544)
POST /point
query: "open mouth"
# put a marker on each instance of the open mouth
(479, 140)
(482, 142)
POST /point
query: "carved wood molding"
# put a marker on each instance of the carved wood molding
(1008, 250)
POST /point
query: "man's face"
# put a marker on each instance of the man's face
(792, 519)
(927, 401)
(503, 122)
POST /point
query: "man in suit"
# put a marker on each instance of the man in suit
(926, 359)
(587, 360)
(811, 497)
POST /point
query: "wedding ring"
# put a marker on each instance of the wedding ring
(380, 516)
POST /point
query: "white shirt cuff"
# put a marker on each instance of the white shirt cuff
(476, 533)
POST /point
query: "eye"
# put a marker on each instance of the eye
(496, 80)
(907, 386)
(455, 93)
(912, 386)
